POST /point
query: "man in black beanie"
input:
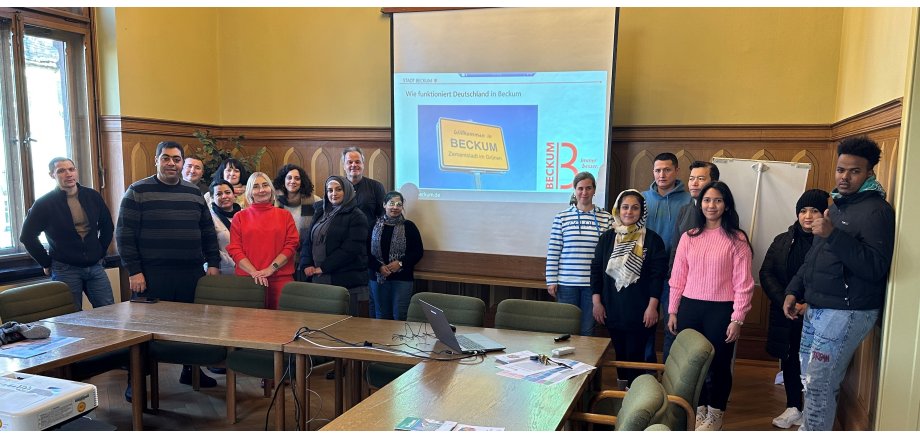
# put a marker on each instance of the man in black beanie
(843, 279)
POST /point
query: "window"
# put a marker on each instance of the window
(45, 108)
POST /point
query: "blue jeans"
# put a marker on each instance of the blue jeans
(91, 279)
(829, 339)
(581, 297)
(391, 299)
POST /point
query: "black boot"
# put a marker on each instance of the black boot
(186, 377)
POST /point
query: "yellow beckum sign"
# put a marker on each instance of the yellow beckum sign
(470, 146)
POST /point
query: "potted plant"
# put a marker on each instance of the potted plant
(212, 154)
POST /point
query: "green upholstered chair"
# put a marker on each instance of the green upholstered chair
(538, 316)
(658, 427)
(682, 377)
(295, 296)
(644, 404)
(33, 302)
(221, 290)
(48, 299)
(460, 310)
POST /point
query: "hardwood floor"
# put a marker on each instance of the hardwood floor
(755, 400)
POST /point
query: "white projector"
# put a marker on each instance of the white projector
(30, 402)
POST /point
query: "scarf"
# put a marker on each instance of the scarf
(397, 242)
(801, 243)
(321, 229)
(870, 184)
(625, 262)
(225, 216)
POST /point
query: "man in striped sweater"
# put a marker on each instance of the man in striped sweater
(164, 235)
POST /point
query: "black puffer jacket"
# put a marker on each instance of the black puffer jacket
(346, 252)
(774, 276)
(849, 269)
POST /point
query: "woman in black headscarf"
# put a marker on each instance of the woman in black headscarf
(784, 258)
(334, 250)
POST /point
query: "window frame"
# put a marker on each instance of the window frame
(88, 155)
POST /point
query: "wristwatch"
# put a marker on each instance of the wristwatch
(276, 266)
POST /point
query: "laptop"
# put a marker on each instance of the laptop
(471, 343)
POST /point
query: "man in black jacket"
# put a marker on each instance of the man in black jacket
(843, 279)
(79, 227)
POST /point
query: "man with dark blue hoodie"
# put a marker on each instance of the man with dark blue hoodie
(664, 199)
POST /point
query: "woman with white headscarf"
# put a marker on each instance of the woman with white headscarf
(627, 274)
(334, 250)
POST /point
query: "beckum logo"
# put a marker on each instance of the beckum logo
(554, 165)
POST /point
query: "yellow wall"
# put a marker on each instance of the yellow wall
(304, 66)
(107, 47)
(167, 63)
(680, 66)
(873, 58)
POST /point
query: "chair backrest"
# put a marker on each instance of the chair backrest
(229, 290)
(645, 404)
(460, 310)
(685, 372)
(36, 301)
(312, 297)
(538, 316)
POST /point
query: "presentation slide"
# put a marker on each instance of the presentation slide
(508, 136)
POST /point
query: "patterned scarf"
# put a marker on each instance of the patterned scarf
(870, 184)
(625, 262)
(397, 242)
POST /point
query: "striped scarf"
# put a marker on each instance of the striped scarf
(625, 262)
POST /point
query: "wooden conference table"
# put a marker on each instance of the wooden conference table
(467, 391)
(232, 327)
(93, 341)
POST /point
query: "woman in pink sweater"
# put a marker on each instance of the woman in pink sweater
(711, 288)
(263, 240)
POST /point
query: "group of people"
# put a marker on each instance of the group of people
(680, 251)
(172, 230)
(685, 251)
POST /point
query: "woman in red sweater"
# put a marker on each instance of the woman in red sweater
(711, 288)
(263, 240)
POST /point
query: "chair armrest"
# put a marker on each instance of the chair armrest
(634, 365)
(691, 413)
(610, 420)
(610, 393)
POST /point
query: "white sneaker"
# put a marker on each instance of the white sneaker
(713, 420)
(790, 417)
(701, 413)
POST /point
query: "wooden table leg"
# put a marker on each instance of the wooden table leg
(339, 390)
(356, 379)
(279, 386)
(300, 367)
(137, 384)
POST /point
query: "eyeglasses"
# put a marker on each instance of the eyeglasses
(394, 204)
